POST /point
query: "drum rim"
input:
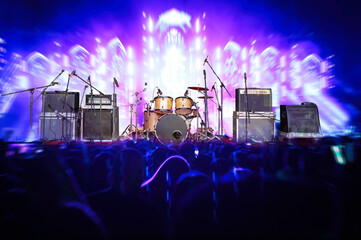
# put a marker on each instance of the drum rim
(183, 97)
(163, 97)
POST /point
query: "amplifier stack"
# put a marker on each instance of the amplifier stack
(260, 125)
(60, 120)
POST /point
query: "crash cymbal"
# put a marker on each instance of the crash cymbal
(198, 88)
(205, 97)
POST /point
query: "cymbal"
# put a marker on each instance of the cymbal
(205, 97)
(198, 88)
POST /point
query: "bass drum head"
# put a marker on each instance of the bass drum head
(171, 128)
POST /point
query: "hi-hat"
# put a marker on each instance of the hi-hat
(205, 97)
(198, 88)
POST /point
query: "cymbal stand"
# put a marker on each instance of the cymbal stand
(131, 121)
(222, 86)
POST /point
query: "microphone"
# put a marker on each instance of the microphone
(72, 73)
(212, 88)
(205, 60)
(204, 73)
(115, 81)
(89, 80)
(186, 93)
(159, 92)
(245, 76)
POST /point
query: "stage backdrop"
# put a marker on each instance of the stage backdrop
(165, 47)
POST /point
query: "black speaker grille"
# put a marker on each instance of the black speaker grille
(54, 101)
(300, 119)
(259, 100)
(93, 123)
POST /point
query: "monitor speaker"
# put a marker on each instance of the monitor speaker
(300, 118)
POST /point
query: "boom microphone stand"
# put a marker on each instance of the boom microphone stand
(247, 119)
(222, 86)
(66, 113)
(91, 88)
(31, 90)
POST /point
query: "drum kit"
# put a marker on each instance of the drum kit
(173, 127)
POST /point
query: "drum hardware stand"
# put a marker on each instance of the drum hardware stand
(201, 133)
(137, 103)
(91, 89)
(247, 119)
(222, 86)
(147, 122)
(131, 121)
(31, 90)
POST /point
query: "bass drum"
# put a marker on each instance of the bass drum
(171, 128)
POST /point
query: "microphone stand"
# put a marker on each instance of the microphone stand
(222, 86)
(80, 110)
(205, 101)
(91, 89)
(31, 90)
(247, 119)
(43, 99)
(219, 109)
(114, 137)
(66, 113)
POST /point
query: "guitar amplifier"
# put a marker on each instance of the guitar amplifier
(259, 99)
(97, 98)
(260, 128)
(54, 101)
(57, 126)
(98, 124)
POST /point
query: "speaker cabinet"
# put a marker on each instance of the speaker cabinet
(300, 121)
(260, 128)
(98, 125)
(54, 101)
(57, 126)
(259, 100)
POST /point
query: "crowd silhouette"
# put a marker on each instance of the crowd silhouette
(145, 190)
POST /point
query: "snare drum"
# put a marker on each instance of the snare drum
(183, 105)
(163, 104)
(153, 118)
